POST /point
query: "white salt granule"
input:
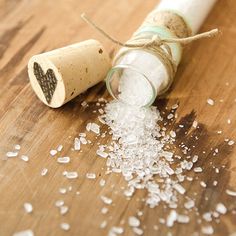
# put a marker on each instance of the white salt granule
(179, 188)
(103, 224)
(138, 231)
(106, 200)
(208, 230)
(59, 203)
(231, 193)
(102, 182)
(71, 175)
(76, 144)
(59, 148)
(175, 106)
(220, 207)
(229, 121)
(12, 154)
(63, 160)
(207, 216)
(27, 232)
(116, 230)
(62, 190)
(102, 153)
(95, 128)
(183, 219)
(91, 176)
(189, 204)
(210, 101)
(65, 226)
(64, 210)
(203, 184)
(28, 207)
(231, 142)
(170, 116)
(172, 134)
(104, 210)
(171, 218)
(24, 158)
(197, 169)
(17, 147)
(83, 140)
(53, 152)
(134, 221)
(195, 124)
(44, 171)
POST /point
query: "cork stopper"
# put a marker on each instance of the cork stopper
(62, 74)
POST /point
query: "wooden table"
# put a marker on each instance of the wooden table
(207, 70)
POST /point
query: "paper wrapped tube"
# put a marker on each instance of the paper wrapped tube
(60, 75)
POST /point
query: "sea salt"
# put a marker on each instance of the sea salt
(76, 144)
(195, 124)
(189, 204)
(197, 169)
(183, 219)
(134, 221)
(231, 193)
(64, 210)
(208, 230)
(103, 224)
(104, 210)
(53, 152)
(210, 101)
(44, 171)
(28, 207)
(220, 207)
(106, 200)
(102, 182)
(12, 154)
(59, 148)
(231, 142)
(171, 218)
(71, 175)
(27, 232)
(24, 158)
(138, 231)
(59, 203)
(63, 160)
(65, 226)
(91, 176)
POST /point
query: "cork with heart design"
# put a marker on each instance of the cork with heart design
(60, 75)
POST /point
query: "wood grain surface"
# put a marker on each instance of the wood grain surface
(208, 70)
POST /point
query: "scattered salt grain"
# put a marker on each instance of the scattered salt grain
(77, 144)
(63, 160)
(65, 226)
(106, 200)
(207, 216)
(203, 184)
(104, 210)
(64, 210)
(189, 204)
(210, 101)
(62, 190)
(172, 134)
(231, 193)
(133, 221)
(84, 104)
(103, 224)
(117, 230)
(229, 121)
(179, 188)
(138, 231)
(102, 182)
(183, 219)
(59, 203)
(175, 106)
(95, 128)
(83, 140)
(197, 169)
(11, 154)
(27, 232)
(72, 175)
(91, 176)
(102, 153)
(24, 158)
(53, 152)
(220, 207)
(28, 207)
(44, 171)
(208, 230)
(195, 124)
(171, 218)
(59, 148)
(231, 142)
(17, 147)
(170, 116)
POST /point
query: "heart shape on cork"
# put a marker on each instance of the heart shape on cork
(47, 82)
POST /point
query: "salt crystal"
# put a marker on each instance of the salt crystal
(190, 204)
(170, 116)
(231, 193)
(172, 134)
(207, 216)
(220, 207)
(84, 104)
(62, 190)
(65, 226)
(208, 230)
(179, 188)
(44, 171)
(215, 183)
(197, 169)
(229, 121)
(183, 219)
(72, 175)
(88, 127)
(102, 154)
(138, 231)
(17, 147)
(77, 144)
(11, 154)
(91, 176)
(133, 221)
(171, 218)
(203, 184)
(83, 140)
(53, 152)
(106, 200)
(117, 230)
(95, 128)
(64, 210)
(195, 124)
(175, 106)
(103, 224)
(104, 210)
(63, 160)
(102, 182)
(231, 142)
(28, 207)
(59, 148)
(27, 232)
(59, 203)
(24, 158)
(210, 101)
